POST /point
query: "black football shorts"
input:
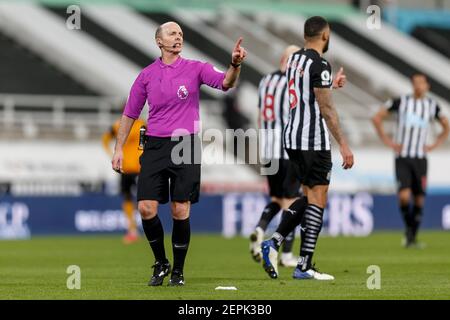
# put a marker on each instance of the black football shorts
(411, 173)
(127, 182)
(170, 169)
(313, 167)
(284, 183)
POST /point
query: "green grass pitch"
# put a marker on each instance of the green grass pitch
(36, 269)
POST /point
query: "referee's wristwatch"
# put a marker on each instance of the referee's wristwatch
(235, 65)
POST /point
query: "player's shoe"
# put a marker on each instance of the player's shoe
(406, 243)
(288, 260)
(176, 279)
(311, 273)
(410, 240)
(160, 271)
(270, 258)
(130, 237)
(414, 244)
(256, 239)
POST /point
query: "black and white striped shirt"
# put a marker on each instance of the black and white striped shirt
(273, 104)
(306, 129)
(413, 119)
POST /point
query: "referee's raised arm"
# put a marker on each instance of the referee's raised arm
(237, 57)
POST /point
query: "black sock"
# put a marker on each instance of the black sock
(311, 226)
(290, 221)
(417, 213)
(181, 235)
(267, 215)
(155, 235)
(407, 218)
(289, 240)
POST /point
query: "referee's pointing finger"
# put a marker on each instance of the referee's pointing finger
(238, 44)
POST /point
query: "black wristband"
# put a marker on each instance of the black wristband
(235, 65)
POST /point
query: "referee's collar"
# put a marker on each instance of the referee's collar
(174, 64)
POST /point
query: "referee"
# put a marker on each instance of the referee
(273, 104)
(307, 143)
(171, 87)
(414, 112)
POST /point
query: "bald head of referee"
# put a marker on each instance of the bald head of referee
(169, 38)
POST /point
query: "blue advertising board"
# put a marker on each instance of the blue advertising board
(230, 214)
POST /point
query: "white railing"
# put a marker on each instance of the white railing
(32, 114)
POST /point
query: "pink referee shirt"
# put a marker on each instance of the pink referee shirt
(173, 94)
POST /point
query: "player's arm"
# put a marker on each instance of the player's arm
(443, 121)
(106, 141)
(377, 121)
(237, 57)
(126, 123)
(328, 111)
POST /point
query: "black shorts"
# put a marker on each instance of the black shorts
(161, 175)
(127, 182)
(313, 167)
(411, 173)
(284, 183)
